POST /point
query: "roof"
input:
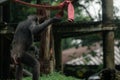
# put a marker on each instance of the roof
(80, 59)
(72, 53)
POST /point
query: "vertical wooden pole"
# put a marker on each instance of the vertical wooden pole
(1, 56)
(46, 45)
(6, 12)
(5, 44)
(4, 57)
(108, 50)
(52, 52)
(1, 14)
(47, 51)
(1, 45)
(108, 36)
(108, 40)
(58, 53)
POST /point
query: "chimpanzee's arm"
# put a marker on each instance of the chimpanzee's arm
(42, 26)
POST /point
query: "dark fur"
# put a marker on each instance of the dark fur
(22, 42)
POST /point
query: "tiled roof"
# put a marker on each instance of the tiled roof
(88, 59)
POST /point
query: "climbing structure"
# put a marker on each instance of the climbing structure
(52, 54)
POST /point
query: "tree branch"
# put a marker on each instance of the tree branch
(86, 11)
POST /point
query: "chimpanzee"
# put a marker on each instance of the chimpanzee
(22, 42)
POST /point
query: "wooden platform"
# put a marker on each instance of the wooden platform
(71, 29)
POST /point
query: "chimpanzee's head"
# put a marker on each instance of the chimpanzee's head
(37, 18)
(33, 17)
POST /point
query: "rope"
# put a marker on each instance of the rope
(60, 7)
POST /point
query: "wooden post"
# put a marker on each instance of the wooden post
(52, 52)
(1, 14)
(46, 44)
(6, 12)
(4, 57)
(1, 56)
(108, 40)
(47, 51)
(5, 44)
(58, 53)
(44, 56)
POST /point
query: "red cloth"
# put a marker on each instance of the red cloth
(70, 11)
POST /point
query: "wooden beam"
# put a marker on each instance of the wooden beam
(83, 30)
(67, 35)
(67, 29)
(77, 24)
(80, 27)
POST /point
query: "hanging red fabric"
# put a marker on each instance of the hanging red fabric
(70, 11)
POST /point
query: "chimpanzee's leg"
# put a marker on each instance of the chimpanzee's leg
(35, 51)
(34, 63)
(19, 72)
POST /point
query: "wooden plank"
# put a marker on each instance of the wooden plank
(67, 35)
(80, 27)
(77, 30)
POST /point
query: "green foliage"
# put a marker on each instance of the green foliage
(93, 53)
(54, 76)
(66, 43)
(89, 39)
(20, 12)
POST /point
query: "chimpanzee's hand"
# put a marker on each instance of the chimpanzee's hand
(14, 60)
(56, 19)
(14, 57)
